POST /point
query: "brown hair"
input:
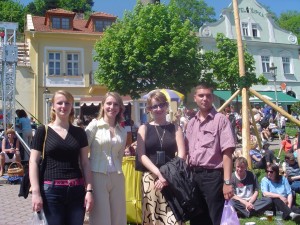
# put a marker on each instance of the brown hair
(70, 98)
(117, 97)
(241, 160)
(275, 168)
(157, 95)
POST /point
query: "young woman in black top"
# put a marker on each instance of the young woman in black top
(66, 190)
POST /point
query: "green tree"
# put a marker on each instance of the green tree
(196, 11)
(290, 21)
(222, 67)
(12, 11)
(150, 48)
(77, 5)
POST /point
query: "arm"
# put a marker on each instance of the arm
(143, 158)
(37, 202)
(85, 165)
(180, 142)
(227, 165)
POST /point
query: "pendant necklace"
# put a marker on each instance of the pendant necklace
(161, 138)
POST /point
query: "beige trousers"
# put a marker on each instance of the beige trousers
(109, 199)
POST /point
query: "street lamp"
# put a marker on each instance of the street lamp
(273, 70)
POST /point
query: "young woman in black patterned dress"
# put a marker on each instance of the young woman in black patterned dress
(158, 142)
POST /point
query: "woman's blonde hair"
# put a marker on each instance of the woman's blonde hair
(117, 97)
(10, 131)
(70, 98)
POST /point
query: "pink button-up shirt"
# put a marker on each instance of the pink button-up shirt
(207, 140)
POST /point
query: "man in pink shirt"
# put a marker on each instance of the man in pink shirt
(210, 145)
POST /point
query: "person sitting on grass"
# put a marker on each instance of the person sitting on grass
(245, 185)
(279, 190)
(261, 159)
(292, 172)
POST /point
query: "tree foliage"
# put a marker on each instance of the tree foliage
(222, 67)
(12, 11)
(290, 21)
(196, 11)
(39, 7)
(150, 48)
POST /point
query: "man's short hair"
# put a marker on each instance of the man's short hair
(204, 86)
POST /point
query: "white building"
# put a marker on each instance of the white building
(266, 41)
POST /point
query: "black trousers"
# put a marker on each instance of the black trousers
(210, 184)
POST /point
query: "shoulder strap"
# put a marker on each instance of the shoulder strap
(46, 132)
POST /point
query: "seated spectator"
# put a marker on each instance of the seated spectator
(286, 145)
(292, 172)
(245, 185)
(279, 190)
(261, 159)
(273, 129)
(10, 150)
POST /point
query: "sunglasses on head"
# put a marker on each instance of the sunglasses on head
(160, 105)
(270, 171)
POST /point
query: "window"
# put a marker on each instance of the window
(73, 64)
(286, 65)
(265, 60)
(54, 63)
(255, 30)
(245, 29)
(61, 23)
(100, 25)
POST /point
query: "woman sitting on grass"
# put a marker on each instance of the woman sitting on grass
(278, 189)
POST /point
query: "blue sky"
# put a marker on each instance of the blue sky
(117, 7)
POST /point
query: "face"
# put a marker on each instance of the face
(111, 108)
(158, 109)
(62, 106)
(10, 135)
(204, 99)
(270, 174)
(240, 169)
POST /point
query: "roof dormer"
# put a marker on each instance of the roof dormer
(59, 19)
(99, 21)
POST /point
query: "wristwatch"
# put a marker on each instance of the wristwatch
(227, 182)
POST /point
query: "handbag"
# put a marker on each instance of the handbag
(15, 169)
(229, 215)
(38, 218)
(25, 184)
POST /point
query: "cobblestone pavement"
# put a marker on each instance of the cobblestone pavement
(14, 210)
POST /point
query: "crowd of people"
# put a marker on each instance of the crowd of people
(82, 165)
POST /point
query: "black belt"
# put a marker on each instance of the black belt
(199, 169)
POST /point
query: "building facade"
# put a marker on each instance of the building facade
(60, 50)
(276, 51)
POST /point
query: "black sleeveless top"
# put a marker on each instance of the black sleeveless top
(7, 146)
(153, 144)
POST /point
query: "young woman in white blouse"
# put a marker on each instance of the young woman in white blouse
(107, 139)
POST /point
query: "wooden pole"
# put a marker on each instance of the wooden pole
(229, 100)
(245, 119)
(274, 106)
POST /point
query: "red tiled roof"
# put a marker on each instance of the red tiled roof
(79, 25)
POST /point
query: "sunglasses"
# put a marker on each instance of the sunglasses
(160, 105)
(270, 171)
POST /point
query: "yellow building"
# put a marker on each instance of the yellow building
(58, 54)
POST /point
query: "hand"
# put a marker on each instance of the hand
(227, 191)
(284, 200)
(37, 202)
(160, 183)
(88, 202)
(249, 206)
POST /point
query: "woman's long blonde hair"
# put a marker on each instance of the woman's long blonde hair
(70, 98)
(117, 97)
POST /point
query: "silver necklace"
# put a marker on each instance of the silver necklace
(161, 138)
